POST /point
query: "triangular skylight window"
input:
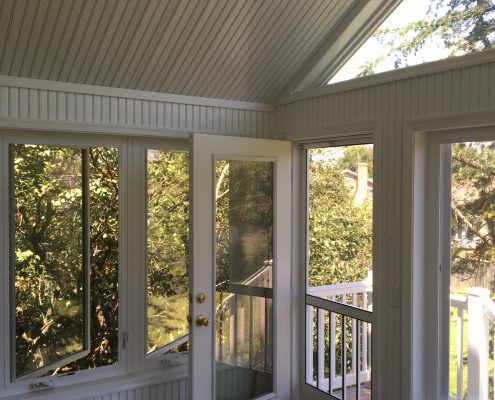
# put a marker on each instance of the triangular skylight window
(420, 31)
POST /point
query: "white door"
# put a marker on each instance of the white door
(240, 282)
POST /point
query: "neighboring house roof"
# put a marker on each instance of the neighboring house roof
(228, 49)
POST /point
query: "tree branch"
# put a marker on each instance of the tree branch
(469, 225)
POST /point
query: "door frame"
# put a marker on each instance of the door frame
(367, 133)
(205, 149)
(433, 224)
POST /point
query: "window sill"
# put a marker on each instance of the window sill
(106, 386)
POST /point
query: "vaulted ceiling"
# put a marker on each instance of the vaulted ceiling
(248, 50)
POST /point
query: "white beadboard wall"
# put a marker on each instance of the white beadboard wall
(464, 92)
(33, 104)
(175, 390)
(447, 93)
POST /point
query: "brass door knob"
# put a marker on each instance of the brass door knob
(202, 320)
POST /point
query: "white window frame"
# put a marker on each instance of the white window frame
(133, 363)
(139, 149)
(430, 251)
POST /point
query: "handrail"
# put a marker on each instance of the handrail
(340, 289)
(489, 307)
(339, 308)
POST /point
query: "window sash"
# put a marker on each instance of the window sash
(85, 266)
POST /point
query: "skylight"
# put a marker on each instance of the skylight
(447, 27)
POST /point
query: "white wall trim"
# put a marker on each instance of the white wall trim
(57, 86)
(469, 120)
(80, 127)
(334, 133)
(468, 60)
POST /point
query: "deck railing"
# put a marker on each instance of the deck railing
(472, 328)
(324, 367)
(244, 323)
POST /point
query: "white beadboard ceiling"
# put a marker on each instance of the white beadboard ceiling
(246, 50)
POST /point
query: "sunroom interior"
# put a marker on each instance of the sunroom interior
(158, 193)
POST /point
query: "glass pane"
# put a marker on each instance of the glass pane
(104, 261)
(49, 293)
(104, 195)
(168, 249)
(421, 31)
(340, 224)
(472, 281)
(244, 253)
(48, 245)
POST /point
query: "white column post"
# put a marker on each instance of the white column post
(477, 345)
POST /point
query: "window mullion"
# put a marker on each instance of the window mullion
(4, 264)
(86, 218)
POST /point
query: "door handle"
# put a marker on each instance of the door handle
(202, 320)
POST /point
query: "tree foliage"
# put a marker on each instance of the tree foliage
(340, 241)
(463, 26)
(354, 155)
(473, 208)
(48, 220)
(167, 246)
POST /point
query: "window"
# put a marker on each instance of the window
(96, 266)
(339, 271)
(167, 250)
(65, 223)
(420, 31)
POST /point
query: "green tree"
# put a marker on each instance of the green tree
(473, 208)
(463, 26)
(168, 246)
(340, 232)
(354, 155)
(48, 264)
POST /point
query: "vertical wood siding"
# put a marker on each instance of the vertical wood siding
(447, 94)
(443, 94)
(174, 390)
(19, 104)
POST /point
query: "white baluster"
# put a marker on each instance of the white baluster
(309, 344)
(320, 337)
(460, 341)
